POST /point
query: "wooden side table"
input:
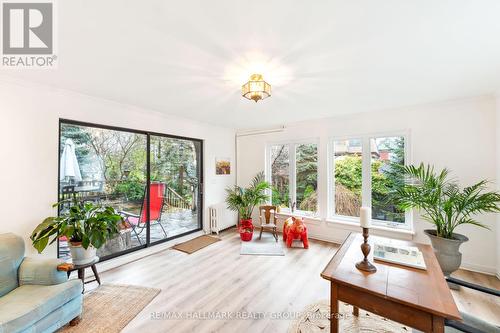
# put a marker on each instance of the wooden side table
(81, 272)
(417, 298)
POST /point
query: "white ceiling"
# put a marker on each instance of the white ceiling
(323, 58)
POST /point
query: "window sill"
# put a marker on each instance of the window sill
(355, 226)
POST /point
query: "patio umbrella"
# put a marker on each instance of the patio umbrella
(69, 167)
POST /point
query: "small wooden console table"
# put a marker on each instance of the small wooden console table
(417, 298)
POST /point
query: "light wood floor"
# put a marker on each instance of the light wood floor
(217, 280)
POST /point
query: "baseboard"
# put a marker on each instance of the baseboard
(210, 232)
(480, 269)
(313, 236)
(139, 254)
(325, 239)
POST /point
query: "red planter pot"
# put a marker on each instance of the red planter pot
(246, 236)
(246, 230)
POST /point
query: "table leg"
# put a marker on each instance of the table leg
(355, 311)
(334, 308)
(437, 324)
(81, 276)
(94, 269)
(81, 273)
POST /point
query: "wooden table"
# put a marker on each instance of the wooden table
(417, 298)
(81, 272)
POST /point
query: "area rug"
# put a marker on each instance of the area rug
(196, 244)
(109, 308)
(267, 246)
(314, 318)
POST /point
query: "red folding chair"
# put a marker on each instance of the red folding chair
(138, 222)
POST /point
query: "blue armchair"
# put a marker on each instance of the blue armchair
(34, 295)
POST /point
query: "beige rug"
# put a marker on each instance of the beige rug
(109, 308)
(196, 244)
(267, 246)
(314, 318)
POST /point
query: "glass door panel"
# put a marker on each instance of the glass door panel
(108, 168)
(175, 197)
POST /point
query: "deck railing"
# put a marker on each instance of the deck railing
(174, 199)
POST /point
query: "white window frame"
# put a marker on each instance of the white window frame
(366, 188)
(292, 168)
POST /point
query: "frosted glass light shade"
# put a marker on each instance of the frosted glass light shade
(256, 89)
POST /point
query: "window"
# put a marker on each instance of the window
(113, 167)
(387, 159)
(306, 175)
(293, 173)
(280, 175)
(347, 161)
(366, 171)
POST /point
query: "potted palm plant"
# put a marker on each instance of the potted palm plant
(87, 227)
(442, 203)
(244, 200)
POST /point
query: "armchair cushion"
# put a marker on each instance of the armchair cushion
(11, 256)
(41, 272)
(25, 306)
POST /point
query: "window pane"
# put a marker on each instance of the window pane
(280, 175)
(306, 176)
(348, 176)
(107, 168)
(175, 177)
(386, 163)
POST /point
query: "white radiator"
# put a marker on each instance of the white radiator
(213, 216)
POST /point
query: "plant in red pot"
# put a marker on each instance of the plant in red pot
(246, 230)
(244, 200)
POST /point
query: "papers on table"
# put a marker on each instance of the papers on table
(398, 254)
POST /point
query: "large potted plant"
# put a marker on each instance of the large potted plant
(87, 227)
(244, 200)
(443, 203)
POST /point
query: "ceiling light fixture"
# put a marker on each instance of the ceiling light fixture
(256, 89)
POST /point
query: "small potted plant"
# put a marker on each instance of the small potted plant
(244, 200)
(444, 204)
(86, 226)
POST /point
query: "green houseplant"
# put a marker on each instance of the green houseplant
(244, 201)
(87, 227)
(443, 203)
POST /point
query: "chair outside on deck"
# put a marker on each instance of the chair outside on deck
(266, 223)
(138, 222)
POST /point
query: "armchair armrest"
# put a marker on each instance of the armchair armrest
(41, 272)
(462, 327)
(471, 324)
(474, 286)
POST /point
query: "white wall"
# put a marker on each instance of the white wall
(459, 135)
(29, 148)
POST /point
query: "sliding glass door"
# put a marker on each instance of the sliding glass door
(175, 178)
(152, 180)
